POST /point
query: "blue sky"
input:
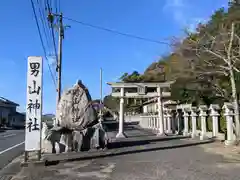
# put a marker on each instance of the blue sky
(85, 50)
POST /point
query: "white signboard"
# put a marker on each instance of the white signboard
(34, 104)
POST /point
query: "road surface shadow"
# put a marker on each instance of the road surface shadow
(137, 141)
(111, 153)
(2, 130)
(114, 125)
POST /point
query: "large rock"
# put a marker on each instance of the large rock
(75, 110)
(77, 128)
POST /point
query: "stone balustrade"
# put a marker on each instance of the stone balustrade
(198, 122)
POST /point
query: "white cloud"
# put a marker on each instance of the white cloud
(182, 14)
(174, 3)
(176, 9)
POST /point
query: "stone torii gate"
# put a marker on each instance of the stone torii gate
(140, 90)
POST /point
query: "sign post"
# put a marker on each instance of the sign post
(33, 106)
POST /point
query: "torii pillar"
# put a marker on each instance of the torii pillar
(160, 112)
(120, 133)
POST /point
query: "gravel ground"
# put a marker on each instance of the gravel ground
(188, 163)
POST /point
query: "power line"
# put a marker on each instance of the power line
(41, 12)
(49, 7)
(54, 42)
(49, 3)
(59, 5)
(117, 32)
(44, 6)
(40, 35)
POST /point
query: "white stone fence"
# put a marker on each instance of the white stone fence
(195, 121)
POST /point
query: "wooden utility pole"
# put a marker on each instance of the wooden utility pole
(59, 61)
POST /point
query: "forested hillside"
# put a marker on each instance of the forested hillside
(198, 63)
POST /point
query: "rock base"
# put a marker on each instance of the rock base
(56, 141)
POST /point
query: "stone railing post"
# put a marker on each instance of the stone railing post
(178, 119)
(186, 121)
(153, 121)
(169, 120)
(150, 120)
(203, 115)
(194, 121)
(157, 121)
(174, 119)
(165, 120)
(228, 113)
(214, 113)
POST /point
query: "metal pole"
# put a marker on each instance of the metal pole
(101, 100)
(101, 85)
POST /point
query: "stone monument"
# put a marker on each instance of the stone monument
(76, 126)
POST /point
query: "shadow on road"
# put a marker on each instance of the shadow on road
(140, 140)
(2, 130)
(113, 152)
(113, 125)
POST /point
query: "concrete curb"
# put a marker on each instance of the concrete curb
(55, 159)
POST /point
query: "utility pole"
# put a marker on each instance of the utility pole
(101, 100)
(60, 27)
(59, 61)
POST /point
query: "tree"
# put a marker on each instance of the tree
(216, 55)
(111, 103)
(201, 76)
(135, 76)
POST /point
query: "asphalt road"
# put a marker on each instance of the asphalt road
(179, 163)
(11, 145)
